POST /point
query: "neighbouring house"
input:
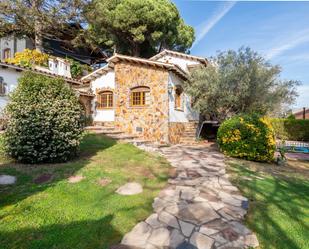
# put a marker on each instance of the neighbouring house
(145, 97)
(139, 97)
(302, 114)
(10, 73)
(57, 65)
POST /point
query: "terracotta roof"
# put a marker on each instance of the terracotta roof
(20, 68)
(301, 111)
(178, 54)
(170, 67)
(118, 57)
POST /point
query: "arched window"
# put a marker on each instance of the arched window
(139, 96)
(2, 86)
(178, 98)
(105, 100)
(6, 53)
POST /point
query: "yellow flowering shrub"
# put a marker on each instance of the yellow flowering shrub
(249, 136)
(28, 58)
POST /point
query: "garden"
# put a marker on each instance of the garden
(58, 183)
(279, 203)
(48, 208)
(278, 192)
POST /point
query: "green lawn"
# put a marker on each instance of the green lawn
(59, 214)
(279, 202)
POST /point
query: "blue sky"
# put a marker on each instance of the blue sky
(277, 30)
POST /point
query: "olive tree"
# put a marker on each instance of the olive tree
(236, 82)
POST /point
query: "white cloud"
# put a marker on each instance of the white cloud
(303, 99)
(288, 44)
(206, 26)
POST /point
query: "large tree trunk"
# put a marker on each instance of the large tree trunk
(38, 37)
(38, 27)
(136, 51)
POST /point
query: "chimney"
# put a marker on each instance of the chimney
(304, 113)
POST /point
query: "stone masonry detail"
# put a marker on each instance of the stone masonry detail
(199, 208)
(176, 130)
(149, 122)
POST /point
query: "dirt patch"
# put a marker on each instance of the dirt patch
(104, 181)
(43, 178)
(75, 179)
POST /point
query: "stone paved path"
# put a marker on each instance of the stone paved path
(199, 208)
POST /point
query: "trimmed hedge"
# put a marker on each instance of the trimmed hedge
(44, 120)
(291, 129)
(249, 136)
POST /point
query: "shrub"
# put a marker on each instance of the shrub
(28, 58)
(291, 129)
(78, 69)
(250, 137)
(45, 122)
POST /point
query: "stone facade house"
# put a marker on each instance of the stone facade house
(142, 98)
(145, 97)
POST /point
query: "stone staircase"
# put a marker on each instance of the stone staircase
(189, 135)
(112, 132)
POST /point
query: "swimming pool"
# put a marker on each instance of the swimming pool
(297, 149)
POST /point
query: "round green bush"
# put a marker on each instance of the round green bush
(44, 120)
(249, 136)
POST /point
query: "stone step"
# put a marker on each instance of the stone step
(187, 140)
(190, 126)
(138, 142)
(91, 128)
(111, 132)
(189, 134)
(99, 128)
(186, 133)
(190, 129)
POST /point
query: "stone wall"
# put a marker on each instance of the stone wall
(151, 121)
(176, 130)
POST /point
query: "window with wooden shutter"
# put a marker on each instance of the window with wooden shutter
(139, 96)
(178, 99)
(105, 100)
(6, 53)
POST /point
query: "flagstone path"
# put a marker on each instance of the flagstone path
(199, 208)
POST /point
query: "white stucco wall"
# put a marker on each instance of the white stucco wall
(105, 81)
(10, 77)
(181, 62)
(59, 66)
(187, 113)
(14, 44)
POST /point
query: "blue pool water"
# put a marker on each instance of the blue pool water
(297, 149)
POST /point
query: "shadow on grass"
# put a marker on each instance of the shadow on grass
(278, 208)
(27, 173)
(79, 234)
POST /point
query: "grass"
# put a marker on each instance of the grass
(58, 214)
(279, 201)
